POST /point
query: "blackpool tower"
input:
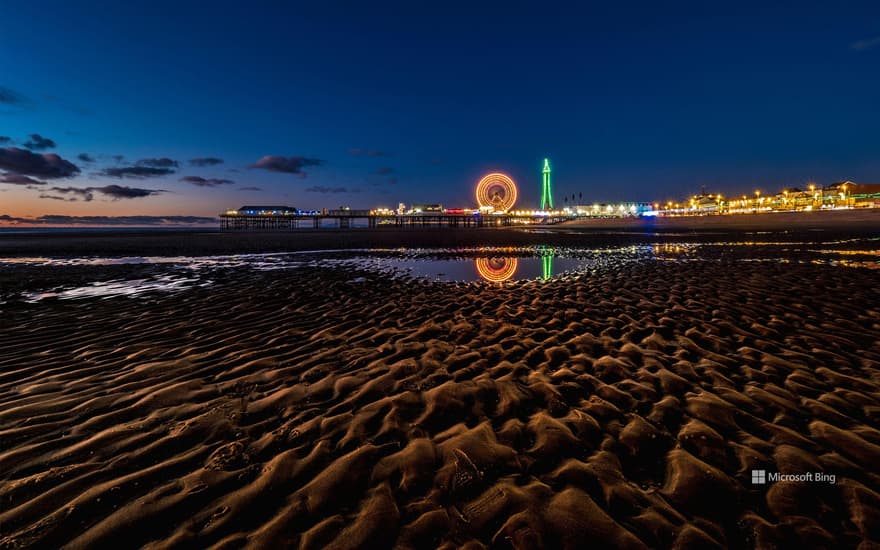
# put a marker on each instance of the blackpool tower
(546, 197)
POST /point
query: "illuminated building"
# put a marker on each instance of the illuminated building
(792, 198)
(607, 210)
(496, 192)
(864, 195)
(426, 208)
(546, 196)
(266, 210)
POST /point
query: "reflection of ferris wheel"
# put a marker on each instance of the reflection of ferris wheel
(496, 191)
(496, 270)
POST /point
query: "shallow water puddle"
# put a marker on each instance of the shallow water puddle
(109, 289)
(495, 265)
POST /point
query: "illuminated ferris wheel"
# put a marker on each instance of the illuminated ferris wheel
(496, 270)
(496, 191)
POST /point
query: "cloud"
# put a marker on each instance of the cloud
(116, 192)
(5, 139)
(383, 170)
(18, 179)
(43, 165)
(163, 162)
(86, 194)
(121, 192)
(56, 219)
(118, 158)
(57, 198)
(205, 182)
(250, 189)
(10, 97)
(39, 143)
(325, 190)
(205, 161)
(137, 172)
(286, 165)
(85, 157)
(367, 152)
(865, 44)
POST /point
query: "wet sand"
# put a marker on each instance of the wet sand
(319, 408)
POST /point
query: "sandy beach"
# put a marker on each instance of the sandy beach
(339, 408)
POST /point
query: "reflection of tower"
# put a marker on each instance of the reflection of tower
(547, 263)
(546, 197)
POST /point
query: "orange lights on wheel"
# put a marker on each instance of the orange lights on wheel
(496, 191)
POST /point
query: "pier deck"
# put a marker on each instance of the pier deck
(264, 222)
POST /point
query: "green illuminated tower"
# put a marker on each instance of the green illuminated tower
(546, 197)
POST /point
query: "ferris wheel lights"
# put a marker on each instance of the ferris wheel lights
(497, 192)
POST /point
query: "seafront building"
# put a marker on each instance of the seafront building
(265, 210)
(610, 210)
(844, 194)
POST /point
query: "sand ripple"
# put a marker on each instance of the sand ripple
(301, 409)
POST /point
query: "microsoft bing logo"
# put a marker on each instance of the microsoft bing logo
(762, 477)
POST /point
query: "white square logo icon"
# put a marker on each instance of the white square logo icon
(759, 477)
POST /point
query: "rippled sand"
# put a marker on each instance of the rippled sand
(335, 408)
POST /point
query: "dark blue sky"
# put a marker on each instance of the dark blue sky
(413, 101)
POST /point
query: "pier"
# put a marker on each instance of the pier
(347, 219)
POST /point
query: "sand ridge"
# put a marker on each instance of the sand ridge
(622, 408)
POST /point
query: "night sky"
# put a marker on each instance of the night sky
(182, 109)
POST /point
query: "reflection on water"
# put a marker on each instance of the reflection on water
(500, 269)
(494, 265)
(496, 270)
(109, 289)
